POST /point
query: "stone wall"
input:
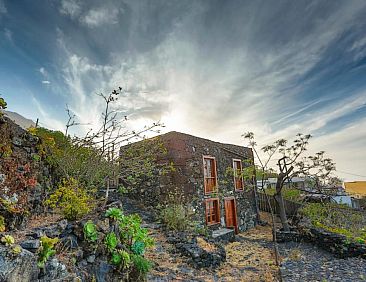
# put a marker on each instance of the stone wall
(186, 182)
(335, 243)
(20, 162)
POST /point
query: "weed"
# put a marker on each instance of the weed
(47, 250)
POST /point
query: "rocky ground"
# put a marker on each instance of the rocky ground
(249, 258)
(305, 262)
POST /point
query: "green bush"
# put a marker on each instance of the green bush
(114, 213)
(90, 231)
(290, 194)
(47, 250)
(71, 199)
(111, 241)
(337, 219)
(175, 217)
(141, 265)
(8, 240)
(128, 240)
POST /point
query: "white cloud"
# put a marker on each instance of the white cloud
(45, 117)
(218, 93)
(8, 34)
(100, 16)
(71, 8)
(46, 82)
(43, 71)
(3, 9)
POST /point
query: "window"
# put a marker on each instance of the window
(209, 172)
(212, 211)
(238, 177)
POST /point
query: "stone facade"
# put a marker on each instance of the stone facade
(186, 182)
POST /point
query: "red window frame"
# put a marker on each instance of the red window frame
(210, 182)
(238, 181)
(212, 207)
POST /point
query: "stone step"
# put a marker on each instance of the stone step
(224, 234)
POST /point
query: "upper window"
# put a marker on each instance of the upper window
(210, 176)
(238, 175)
(212, 211)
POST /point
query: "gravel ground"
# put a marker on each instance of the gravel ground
(306, 262)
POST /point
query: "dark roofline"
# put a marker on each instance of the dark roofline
(171, 133)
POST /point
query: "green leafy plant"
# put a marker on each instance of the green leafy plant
(36, 157)
(141, 265)
(121, 258)
(131, 231)
(122, 190)
(8, 240)
(3, 105)
(138, 248)
(175, 217)
(90, 231)
(337, 219)
(72, 199)
(16, 250)
(46, 250)
(114, 213)
(111, 241)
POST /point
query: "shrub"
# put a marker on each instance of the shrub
(175, 217)
(138, 248)
(141, 265)
(16, 250)
(46, 250)
(72, 200)
(337, 219)
(291, 194)
(121, 258)
(90, 231)
(131, 231)
(8, 240)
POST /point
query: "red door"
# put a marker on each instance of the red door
(230, 214)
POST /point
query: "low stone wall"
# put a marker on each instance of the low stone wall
(334, 243)
(200, 257)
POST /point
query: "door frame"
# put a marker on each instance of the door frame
(234, 216)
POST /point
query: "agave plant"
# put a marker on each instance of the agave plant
(111, 241)
(90, 231)
(114, 213)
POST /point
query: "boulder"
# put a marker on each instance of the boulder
(14, 268)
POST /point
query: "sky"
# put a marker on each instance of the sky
(214, 69)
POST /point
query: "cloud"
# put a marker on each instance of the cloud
(70, 8)
(259, 68)
(45, 116)
(46, 82)
(8, 34)
(100, 16)
(3, 9)
(43, 71)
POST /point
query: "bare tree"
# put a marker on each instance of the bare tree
(318, 168)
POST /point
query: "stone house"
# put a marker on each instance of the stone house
(202, 180)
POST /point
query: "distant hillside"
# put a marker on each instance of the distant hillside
(19, 119)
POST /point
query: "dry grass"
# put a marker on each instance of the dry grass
(205, 245)
(247, 260)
